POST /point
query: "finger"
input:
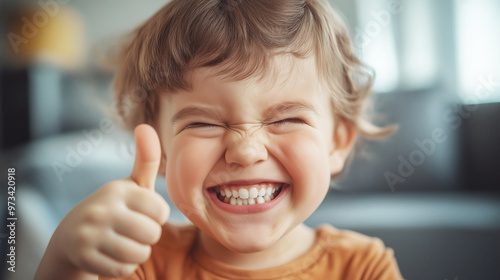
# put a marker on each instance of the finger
(125, 250)
(147, 156)
(150, 204)
(138, 227)
(106, 266)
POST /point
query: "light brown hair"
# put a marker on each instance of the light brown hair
(240, 37)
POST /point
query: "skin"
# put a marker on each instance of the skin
(245, 140)
(237, 138)
(111, 232)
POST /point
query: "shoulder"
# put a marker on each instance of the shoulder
(357, 253)
(347, 240)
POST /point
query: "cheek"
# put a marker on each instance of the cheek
(305, 150)
(305, 157)
(188, 163)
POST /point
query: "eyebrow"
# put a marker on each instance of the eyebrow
(288, 107)
(269, 113)
(195, 111)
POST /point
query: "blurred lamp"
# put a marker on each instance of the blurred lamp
(53, 35)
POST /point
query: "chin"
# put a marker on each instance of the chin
(240, 244)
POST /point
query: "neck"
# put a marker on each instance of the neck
(293, 245)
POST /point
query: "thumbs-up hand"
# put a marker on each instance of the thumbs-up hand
(111, 232)
(147, 157)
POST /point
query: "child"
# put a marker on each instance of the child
(250, 107)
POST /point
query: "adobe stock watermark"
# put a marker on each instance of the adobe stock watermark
(139, 94)
(75, 155)
(31, 26)
(379, 20)
(454, 117)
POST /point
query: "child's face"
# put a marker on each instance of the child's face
(225, 135)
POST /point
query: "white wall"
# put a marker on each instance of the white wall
(107, 20)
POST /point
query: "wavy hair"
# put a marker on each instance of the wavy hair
(238, 38)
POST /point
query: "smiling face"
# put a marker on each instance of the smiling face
(230, 142)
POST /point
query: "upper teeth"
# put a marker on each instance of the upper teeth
(245, 195)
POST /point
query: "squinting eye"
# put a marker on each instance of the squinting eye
(290, 120)
(198, 125)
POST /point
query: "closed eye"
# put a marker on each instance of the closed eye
(200, 125)
(288, 121)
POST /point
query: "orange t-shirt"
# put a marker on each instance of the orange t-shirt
(336, 254)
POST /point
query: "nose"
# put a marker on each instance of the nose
(244, 149)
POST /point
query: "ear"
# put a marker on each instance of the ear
(344, 139)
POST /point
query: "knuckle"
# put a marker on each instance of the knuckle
(83, 239)
(95, 214)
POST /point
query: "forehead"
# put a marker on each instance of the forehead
(292, 85)
(283, 71)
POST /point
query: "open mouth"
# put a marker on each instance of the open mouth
(248, 195)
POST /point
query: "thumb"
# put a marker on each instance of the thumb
(147, 156)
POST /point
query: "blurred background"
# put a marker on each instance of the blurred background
(431, 192)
